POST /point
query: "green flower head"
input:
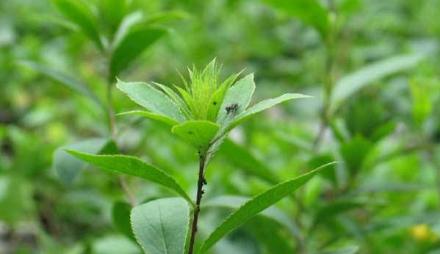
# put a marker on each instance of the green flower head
(204, 109)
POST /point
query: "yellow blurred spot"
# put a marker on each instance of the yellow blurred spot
(422, 232)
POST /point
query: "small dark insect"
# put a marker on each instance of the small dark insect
(232, 109)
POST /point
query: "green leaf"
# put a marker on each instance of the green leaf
(161, 226)
(136, 41)
(330, 173)
(132, 166)
(68, 167)
(121, 218)
(310, 12)
(152, 99)
(423, 93)
(337, 207)
(63, 79)
(255, 206)
(383, 130)
(261, 106)
(165, 17)
(354, 153)
(272, 213)
(80, 14)
(198, 133)
(112, 12)
(239, 94)
(354, 82)
(270, 236)
(176, 99)
(350, 249)
(17, 194)
(152, 116)
(241, 157)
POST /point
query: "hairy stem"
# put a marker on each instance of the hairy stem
(200, 183)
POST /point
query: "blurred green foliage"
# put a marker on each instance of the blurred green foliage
(372, 67)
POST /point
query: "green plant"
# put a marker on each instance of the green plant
(201, 113)
(370, 65)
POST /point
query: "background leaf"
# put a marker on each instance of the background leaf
(131, 46)
(121, 218)
(80, 14)
(243, 158)
(161, 226)
(349, 249)
(352, 83)
(67, 166)
(310, 12)
(64, 79)
(113, 12)
(354, 153)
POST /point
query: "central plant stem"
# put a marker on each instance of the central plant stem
(200, 183)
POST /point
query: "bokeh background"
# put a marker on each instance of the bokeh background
(383, 196)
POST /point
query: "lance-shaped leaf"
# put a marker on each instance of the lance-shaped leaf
(152, 99)
(261, 106)
(67, 166)
(310, 12)
(255, 206)
(354, 82)
(132, 166)
(80, 14)
(198, 133)
(150, 115)
(272, 213)
(136, 41)
(63, 79)
(161, 226)
(237, 99)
